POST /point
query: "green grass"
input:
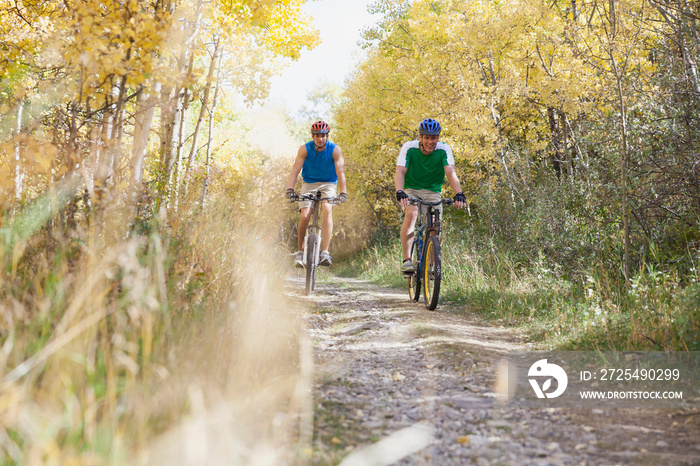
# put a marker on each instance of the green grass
(585, 310)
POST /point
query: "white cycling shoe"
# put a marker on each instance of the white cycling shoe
(325, 259)
(299, 259)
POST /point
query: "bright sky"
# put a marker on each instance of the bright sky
(339, 23)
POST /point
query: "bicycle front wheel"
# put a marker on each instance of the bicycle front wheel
(432, 273)
(310, 262)
(414, 278)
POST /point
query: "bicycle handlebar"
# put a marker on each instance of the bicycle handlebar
(310, 197)
(415, 200)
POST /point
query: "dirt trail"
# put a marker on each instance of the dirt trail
(397, 384)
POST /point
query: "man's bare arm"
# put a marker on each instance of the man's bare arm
(296, 168)
(451, 175)
(340, 169)
(399, 180)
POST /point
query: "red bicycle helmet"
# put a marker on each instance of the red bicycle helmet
(320, 127)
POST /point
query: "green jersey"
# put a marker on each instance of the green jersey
(425, 171)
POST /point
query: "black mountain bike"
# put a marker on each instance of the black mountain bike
(312, 239)
(425, 254)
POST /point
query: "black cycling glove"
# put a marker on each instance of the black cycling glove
(342, 197)
(459, 197)
(400, 195)
(291, 195)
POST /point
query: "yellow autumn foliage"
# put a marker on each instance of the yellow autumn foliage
(491, 72)
(82, 65)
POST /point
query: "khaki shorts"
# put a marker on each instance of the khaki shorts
(427, 196)
(327, 190)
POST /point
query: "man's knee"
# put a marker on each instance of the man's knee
(328, 211)
(410, 216)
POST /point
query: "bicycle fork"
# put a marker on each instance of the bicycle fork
(317, 250)
(418, 244)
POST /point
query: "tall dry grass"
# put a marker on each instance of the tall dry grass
(165, 341)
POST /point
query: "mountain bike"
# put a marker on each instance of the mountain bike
(312, 238)
(425, 254)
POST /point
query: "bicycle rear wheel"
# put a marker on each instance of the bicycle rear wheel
(432, 273)
(310, 262)
(414, 278)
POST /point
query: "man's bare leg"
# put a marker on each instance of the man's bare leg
(303, 223)
(327, 226)
(409, 221)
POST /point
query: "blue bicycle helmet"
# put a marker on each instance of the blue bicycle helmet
(430, 127)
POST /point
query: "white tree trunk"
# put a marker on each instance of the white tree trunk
(146, 108)
(202, 113)
(19, 176)
(211, 124)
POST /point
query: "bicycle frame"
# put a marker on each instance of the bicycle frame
(313, 228)
(428, 225)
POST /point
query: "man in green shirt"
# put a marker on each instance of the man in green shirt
(420, 172)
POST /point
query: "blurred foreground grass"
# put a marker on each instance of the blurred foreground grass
(167, 340)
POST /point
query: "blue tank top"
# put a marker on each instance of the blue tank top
(319, 167)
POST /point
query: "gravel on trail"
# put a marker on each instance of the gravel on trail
(395, 383)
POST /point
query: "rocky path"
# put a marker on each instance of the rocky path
(397, 384)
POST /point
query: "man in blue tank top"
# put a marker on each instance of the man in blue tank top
(322, 168)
